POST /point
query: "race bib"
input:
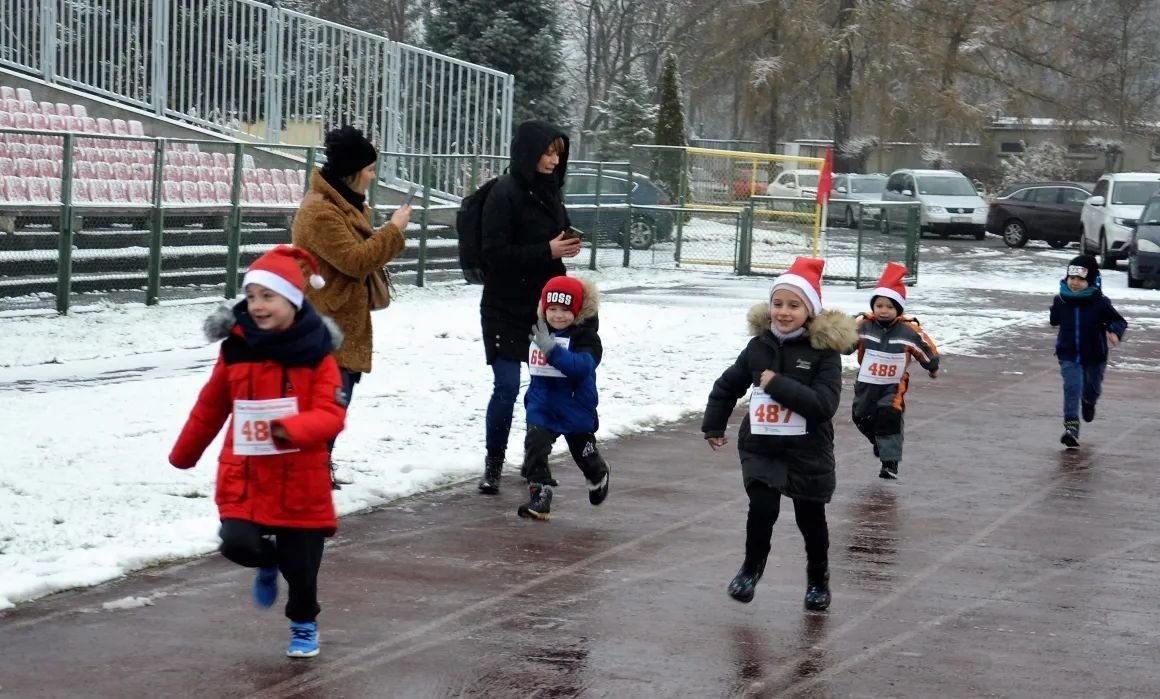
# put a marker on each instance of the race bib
(882, 367)
(538, 363)
(252, 420)
(768, 417)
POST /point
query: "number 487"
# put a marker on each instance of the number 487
(772, 414)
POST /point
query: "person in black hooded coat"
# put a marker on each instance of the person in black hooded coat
(524, 243)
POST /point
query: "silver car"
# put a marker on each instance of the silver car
(850, 189)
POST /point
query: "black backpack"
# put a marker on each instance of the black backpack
(469, 227)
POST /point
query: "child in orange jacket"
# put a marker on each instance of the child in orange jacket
(278, 385)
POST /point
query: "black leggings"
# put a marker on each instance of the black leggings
(764, 507)
(296, 552)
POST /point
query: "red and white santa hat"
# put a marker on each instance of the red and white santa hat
(283, 271)
(804, 277)
(565, 291)
(892, 284)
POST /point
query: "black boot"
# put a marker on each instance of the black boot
(598, 491)
(1088, 410)
(1070, 438)
(818, 592)
(539, 505)
(492, 468)
(744, 584)
(889, 470)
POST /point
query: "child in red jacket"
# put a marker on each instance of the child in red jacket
(278, 385)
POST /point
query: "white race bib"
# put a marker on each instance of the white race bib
(252, 420)
(538, 363)
(768, 417)
(882, 367)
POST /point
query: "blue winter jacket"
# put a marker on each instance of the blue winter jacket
(1084, 320)
(568, 405)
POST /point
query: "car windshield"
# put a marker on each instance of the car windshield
(1134, 193)
(947, 187)
(1151, 215)
(808, 180)
(868, 185)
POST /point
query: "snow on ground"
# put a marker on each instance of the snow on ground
(93, 401)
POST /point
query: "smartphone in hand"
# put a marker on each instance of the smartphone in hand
(573, 233)
(411, 195)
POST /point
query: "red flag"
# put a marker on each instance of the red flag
(826, 181)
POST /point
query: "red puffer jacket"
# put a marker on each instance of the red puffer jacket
(277, 490)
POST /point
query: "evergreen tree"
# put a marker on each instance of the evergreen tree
(521, 37)
(670, 129)
(630, 115)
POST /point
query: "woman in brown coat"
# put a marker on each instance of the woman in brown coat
(333, 224)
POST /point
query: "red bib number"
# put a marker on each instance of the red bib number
(882, 367)
(770, 418)
(252, 420)
(538, 363)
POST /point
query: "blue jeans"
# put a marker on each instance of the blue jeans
(349, 379)
(1079, 381)
(504, 392)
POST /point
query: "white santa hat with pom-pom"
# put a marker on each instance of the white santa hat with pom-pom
(282, 271)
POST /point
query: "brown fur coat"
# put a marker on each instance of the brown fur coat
(348, 251)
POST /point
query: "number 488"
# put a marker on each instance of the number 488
(883, 370)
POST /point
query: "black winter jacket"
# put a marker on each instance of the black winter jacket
(808, 381)
(522, 213)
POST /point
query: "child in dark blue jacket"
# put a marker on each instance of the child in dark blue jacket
(562, 398)
(1088, 326)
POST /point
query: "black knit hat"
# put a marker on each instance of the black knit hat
(348, 151)
(1088, 264)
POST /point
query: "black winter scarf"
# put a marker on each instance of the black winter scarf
(306, 343)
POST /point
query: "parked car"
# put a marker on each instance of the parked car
(1144, 246)
(708, 187)
(950, 203)
(1109, 216)
(750, 179)
(854, 188)
(802, 184)
(643, 228)
(1038, 211)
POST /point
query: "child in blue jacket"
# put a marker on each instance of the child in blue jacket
(562, 398)
(1088, 326)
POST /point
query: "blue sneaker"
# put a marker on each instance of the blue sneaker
(266, 587)
(303, 639)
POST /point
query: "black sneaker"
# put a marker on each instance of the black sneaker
(889, 470)
(1070, 438)
(539, 505)
(744, 584)
(492, 470)
(598, 491)
(1088, 410)
(818, 595)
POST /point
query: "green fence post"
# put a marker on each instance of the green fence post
(858, 259)
(65, 241)
(628, 230)
(743, 259)
(420, 273)
(311, 158)
(596, 224)
(234, 228)
(474, 174)
(156, 225)
(913, 235)
(373, 193)
(682, 192)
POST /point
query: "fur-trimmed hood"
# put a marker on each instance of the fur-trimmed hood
(220, 324)
(589, 308)
(833, 330)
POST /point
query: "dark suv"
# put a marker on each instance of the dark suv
(1038, 211)
(642, 228)
(1144, 246)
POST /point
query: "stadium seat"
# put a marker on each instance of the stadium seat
(38, 191)
(5, 120)
(285, 196)
(222, 192)
(220, 160)
(120, 127)
(172, 193)
(99, 192)
(189, 193)
(23, 94)
(79, 110)
(104, 126)
(25, 167)
(63, 109)
(7, 93)
(141, 192)
(17, 189)
(80, 192)
(277, 177)
(252, 193)
(119, 192)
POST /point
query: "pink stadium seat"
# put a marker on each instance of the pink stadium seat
(13, 106)
(285, 196)
(55, 152)
(47, 108)
(20, 120)
(39, 122)
(55, 123)
(277, 177)
(189, 193)
(5, 120)
(136, 128)
(139, 171)
(63, 109)
(54, 189)
(175, 158)
(83, 169)
(206, 193)
(220, 160)
(80, 192)
(119, 192)
(36, 151)
(99, 192)
(192, 148)
(121, 172)
(79, 110)
(29, 107)
(72, 124)
(172, 193)
(222, 192)
(269, 194)
(19, 149)
(252, 193)
(23, 94)
(295, 178)
(49, 169)
(25, 167)
(5, 151)
(264, 177)
(120, 127)
(250, 176)
(204, 174)
(104, 126)
(7, 166)
(247, 162)
(205, 159)
(189, 174)
(89, 125)
(7, 93)
(140, 192)
(17, 189)
(104, 170)
(145, 157)
(223, 174)
(38, 191)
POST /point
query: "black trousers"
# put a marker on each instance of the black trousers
(296, 552)
(349, 379)
(538, 447)
(764, 507)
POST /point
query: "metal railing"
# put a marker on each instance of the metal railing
(253, 70)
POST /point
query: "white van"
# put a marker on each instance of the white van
(1110, 215)
(950, 203)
